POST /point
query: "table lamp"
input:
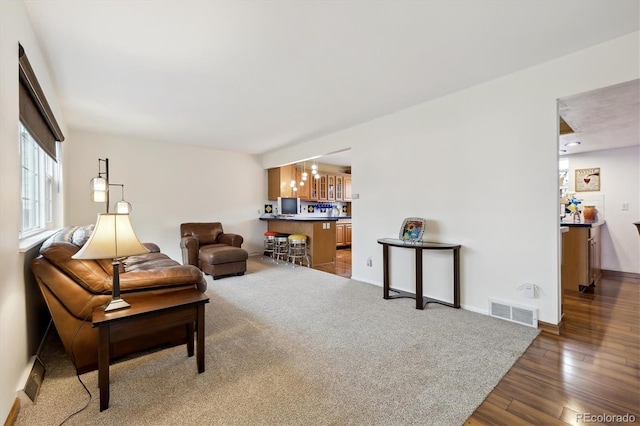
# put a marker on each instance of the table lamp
(113, 238)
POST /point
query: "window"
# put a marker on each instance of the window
(39, 180)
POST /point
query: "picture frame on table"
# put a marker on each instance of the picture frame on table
(412, 229)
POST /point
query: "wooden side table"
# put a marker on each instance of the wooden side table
(153, 313)
(421, 301)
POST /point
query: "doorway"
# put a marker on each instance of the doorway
(593, 125)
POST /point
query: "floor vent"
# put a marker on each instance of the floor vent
(34, 381)
(525, 315)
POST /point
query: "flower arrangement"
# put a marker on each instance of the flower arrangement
(572, 205)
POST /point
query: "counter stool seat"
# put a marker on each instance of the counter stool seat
(298, 249)
(269, 244)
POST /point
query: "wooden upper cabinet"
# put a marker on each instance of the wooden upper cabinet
(279, 182)
(314, 185)
(339, 188)
(331, 187)
(304, 186)
(347, 188)
(322, 187)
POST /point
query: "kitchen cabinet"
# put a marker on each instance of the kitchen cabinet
(581, 257)
(313, 188)
(279, 182)
(322, 187)
(304, 186)
(331, 187)
(343, 232)
(346, 182)
(339, 188)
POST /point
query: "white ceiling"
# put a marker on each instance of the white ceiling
(604, 118)
(252, 76)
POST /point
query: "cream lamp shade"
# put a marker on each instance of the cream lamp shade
(113, 237)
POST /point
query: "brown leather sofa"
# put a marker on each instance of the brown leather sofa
(205, 245)
(72, 288)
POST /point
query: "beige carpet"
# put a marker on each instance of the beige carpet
(299, 347)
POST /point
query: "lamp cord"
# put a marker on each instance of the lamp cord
(73, 360)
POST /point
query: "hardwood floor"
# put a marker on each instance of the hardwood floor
(591, 369)
(342, 265)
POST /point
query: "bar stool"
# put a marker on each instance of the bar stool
(298, 249)
(269, 244)
(281, 248)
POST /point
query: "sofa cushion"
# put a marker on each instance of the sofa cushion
(88, 273)
(147, 261)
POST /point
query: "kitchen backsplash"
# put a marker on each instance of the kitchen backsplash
(315, 208)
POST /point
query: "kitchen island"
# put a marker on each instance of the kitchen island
(580, 255)
(320, 232)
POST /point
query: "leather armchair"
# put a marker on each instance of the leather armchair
(72, 288)
(207, 246)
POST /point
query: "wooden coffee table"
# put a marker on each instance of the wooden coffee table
(151, 314)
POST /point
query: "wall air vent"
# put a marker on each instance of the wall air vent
(34, 382)
(525, 315)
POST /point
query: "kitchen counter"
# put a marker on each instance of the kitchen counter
(580, 267)
(304, 218)
(320, 232)
(582, 224)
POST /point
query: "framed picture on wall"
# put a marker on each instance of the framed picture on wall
(588, 179)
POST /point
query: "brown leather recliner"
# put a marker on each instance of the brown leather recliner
(72, 288)
(205, 245)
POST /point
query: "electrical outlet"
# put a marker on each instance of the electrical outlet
(369, 261)
(529, 290)
(624, 206)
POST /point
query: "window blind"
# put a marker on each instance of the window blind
(35, 112)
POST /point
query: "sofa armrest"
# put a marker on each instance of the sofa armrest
(190, 247)
(234, 240)
(162, 277)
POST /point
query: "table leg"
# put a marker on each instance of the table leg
(419, 302)
(200, 333)
(103, 366)
(190, 339)
(456, 278)
(385, 271)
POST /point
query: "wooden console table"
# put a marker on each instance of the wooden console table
(421, 300)
(147, 315)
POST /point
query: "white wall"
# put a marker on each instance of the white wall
(620, 183)
(15, 28)
(481, 165)
(167, 185)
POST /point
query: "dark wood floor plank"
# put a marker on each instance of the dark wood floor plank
(532, 415)
(577, 398)
(541, 403)
(493, 415)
